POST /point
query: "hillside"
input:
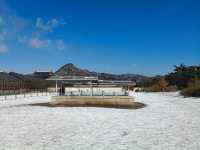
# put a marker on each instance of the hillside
(71, 70)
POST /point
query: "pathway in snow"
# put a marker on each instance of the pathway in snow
(169, 122)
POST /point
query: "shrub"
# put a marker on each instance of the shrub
(193, 88)
(153, 88)
(161, 86)
(192, 91)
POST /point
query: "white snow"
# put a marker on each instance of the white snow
(169, 122)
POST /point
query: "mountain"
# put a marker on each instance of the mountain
(71, 70)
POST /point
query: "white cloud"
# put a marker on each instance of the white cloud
(3, 48)
(2, 30)
(4, 35)
(11, 26)
(49, 25)
(39, 43)
(1, 37)
(1, 21)
(60, 45)
(14, 28)
(22, 39)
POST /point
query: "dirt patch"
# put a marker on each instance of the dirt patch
(135, 105)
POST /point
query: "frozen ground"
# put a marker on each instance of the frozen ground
(169, 122)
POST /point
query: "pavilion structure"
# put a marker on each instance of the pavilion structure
(89, 82)
(72, 79)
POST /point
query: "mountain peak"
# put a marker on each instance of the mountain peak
(70, 65)
(71, 70)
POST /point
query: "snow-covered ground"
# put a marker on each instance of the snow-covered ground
(169, 122)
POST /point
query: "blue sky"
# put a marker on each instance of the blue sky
(123, 36)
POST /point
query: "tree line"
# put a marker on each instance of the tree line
(183, 78)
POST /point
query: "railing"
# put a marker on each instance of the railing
(89, 93)
(19, 94)
(16, 94)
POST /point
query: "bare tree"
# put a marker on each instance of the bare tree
(163, 84)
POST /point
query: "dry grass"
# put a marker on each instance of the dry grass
(87, 101)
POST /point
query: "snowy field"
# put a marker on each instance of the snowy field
(169, 122)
